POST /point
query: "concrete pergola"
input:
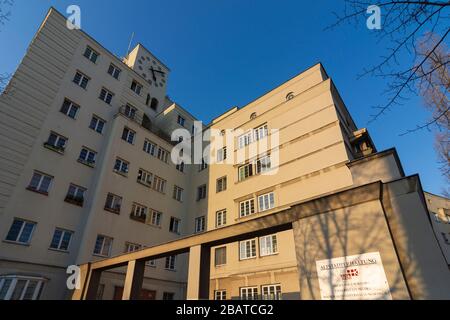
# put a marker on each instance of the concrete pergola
(199, 246)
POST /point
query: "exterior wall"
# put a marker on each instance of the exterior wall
(439, 210)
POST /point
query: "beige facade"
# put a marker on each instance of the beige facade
(134, 196)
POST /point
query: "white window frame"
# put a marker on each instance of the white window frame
(178, 193)
(132, 247)
(170, 263)
(13, 283)
(221, 154)
(149, 147)
(221, 184)
(58, 139)
(130, 111)
(70, 107)
(145, 177)
(106, 96)
(139, 210)
(137, 87)
(129, 134)
(200, 224)
(220, 295)
(63, 233)
(221, 218)
(115, 71)
(175, 226)
(245, 171)
(159, 184)
(83, 79)
(263, 164)
(271, 292)
(268, 245)
(97, 120)
(247, 249)
(42, 176)
(248, 293)
(156, 217)
(91, 54)
(247, 208)
(244, 140)
(266, 202)
(260, 132)
(162, 154)
(89, 153)
(78, 192)
(116, 202)
(105, 240)
(19, 234)
(201, 192)
(121, 166)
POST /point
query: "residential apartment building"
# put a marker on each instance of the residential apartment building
(86, 171)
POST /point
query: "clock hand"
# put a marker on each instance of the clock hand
(153, 72)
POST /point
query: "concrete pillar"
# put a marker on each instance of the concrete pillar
(199, 272)
(133, 280)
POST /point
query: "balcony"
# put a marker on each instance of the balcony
(144, 121)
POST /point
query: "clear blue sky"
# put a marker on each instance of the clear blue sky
(227, 53)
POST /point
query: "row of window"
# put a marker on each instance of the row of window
(252, 135)
(21, 232)
(82, 80)
(20, 288)
(268, 292)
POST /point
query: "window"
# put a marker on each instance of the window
(20, 288)
(170, 262)
(149, 147)
(247, 249)
(81, 80)
(246, 208)
(103, 246)
(249, 293)
(221, 218)
(87, 156)
(56, 142)
(168, 296)
(268, 245)
(156, 218)
(266, 202)
(221, 184)
(130, 111)
(61, 239)
(40, 182)
(201, 192)
(121, 166)
(21, 231)
(221, 154)
(178, 193)
(180, 167)
(220, 295)
(244, 140)
(128, 135)
(220, 256)
(174, 225)
(145, 177)
(69, 108)
(271, 292)
(136, 87)
(131, 247)
(263, 164)
(200, 224)
(163, 154)
(159, 184)
(114, 71)
(154, 104)
(260, 132)
(91, 54)
(181, 120)
(138, 212)
(245, 171)
(113, 203)
(203, 166)
(106, 96)
(97, 124)
(75, 195)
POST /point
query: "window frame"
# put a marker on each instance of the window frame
(266, 206)
(200, 224)
(266, 248)
(174, 222)
(39, 184)
(60, 241)
(105, 238)
(114, 68)
(92, 56)
(71, 105)
(97, 120)
(220, 263)
(18, 237)
(252, 254)
(251, 208)
(223, 218)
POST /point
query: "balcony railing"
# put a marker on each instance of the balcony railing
(145, 122)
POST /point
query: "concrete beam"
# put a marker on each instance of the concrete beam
(133, 280)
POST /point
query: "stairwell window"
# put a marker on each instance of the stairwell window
(136, 87)
(268, 245)
(149, 147)
(40, 182)
(91, 54)
(174, 225)
(247, 249)
(221, 218)
(75, 195)
(56, 142)
(245, 171)
(61, 239)
(266, 202)
(97, 124)
(87, 156)
(69, 108)
(145, 177)
(21, 231)
(113, 203)
(128, 135)
(170, 263)
(246, 208)
(121, 166)
(103, 246)
(106, 96)
(81, 79)
(200, 224)
(178, 193)
(114, 71)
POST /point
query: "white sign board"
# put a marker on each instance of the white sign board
(359, 277)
